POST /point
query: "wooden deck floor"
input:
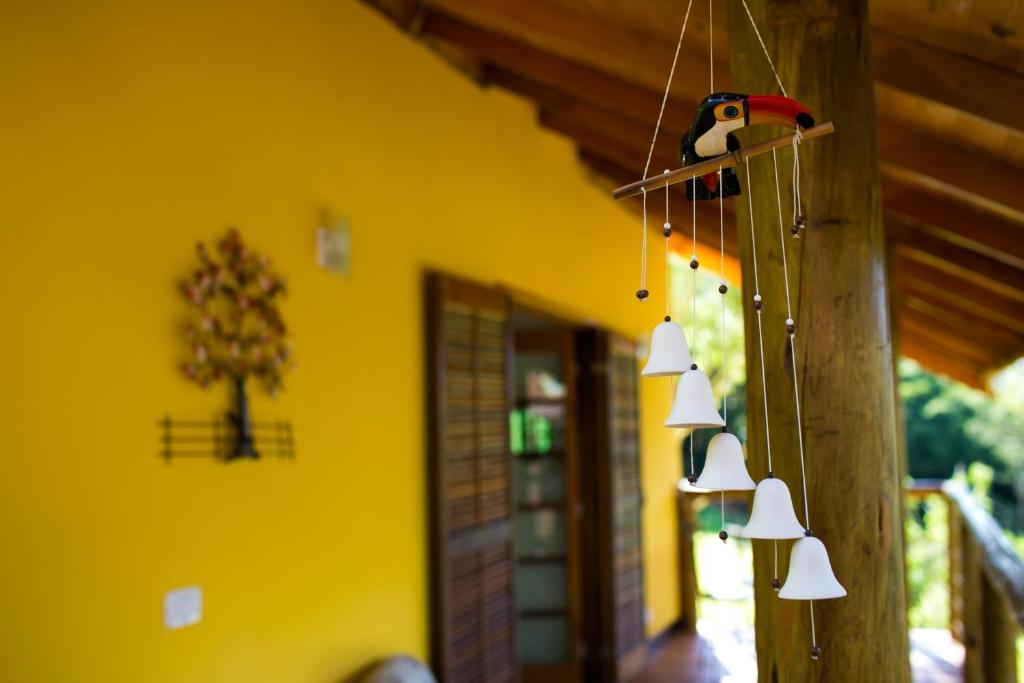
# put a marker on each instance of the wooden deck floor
(729, 658)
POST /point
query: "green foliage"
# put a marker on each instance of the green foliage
(928, 563)
(950, 425)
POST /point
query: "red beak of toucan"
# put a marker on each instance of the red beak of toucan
(777, 110)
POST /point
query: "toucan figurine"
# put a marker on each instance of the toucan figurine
(710, 134)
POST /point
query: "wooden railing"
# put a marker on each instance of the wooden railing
(986, 585)
(986, 579)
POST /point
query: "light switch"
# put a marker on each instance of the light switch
(183, 607)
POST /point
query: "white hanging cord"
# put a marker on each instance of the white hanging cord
(778, 206)
(668, 87)
(775, 571)
(694, 264)
(798, 137)
(765, 49)
(642, 292)
(815, 650)
(791, 334)
(693, 292)
(722, 289)
(667, 232)
(757, 310)
(693, 471)
(723, 517)
(711, 42)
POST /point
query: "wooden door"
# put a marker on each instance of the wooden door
(546, 490)
(473, 607)
(610, 449)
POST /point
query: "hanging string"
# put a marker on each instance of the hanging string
(757, 310)
(694, 264)
(798, 220)
(791, 334)
(693, 472)
(776, 584)
(642, 292)
(764, 49)
(693, 296)
(778, 207)
(668, 87)
(722, 535)
(667, 232)
(815, 650)
(711, 42)
(643, 249)
(722, 289)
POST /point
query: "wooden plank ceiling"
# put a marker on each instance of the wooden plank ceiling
(949, 93)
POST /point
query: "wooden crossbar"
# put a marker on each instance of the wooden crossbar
(724, 161)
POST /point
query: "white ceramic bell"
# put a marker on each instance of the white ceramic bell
(810, 573)
(695, 404)
(771, 515)
(670, 354)
(724, 469)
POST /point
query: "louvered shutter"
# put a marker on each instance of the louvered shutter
(473, 610)
(626, 502)
(609, 402)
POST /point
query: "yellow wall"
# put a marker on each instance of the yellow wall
(129, 130)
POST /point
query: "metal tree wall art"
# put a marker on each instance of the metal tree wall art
(709, 154)
(236, 330)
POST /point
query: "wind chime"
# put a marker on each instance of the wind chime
(710, 153)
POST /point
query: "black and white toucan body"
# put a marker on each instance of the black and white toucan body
(711, 134)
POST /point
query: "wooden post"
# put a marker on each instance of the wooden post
(1000, 628)
(956, 572)
(843, 342)
(687, 564)
(973, 614)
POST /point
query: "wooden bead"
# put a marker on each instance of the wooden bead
(642, 294)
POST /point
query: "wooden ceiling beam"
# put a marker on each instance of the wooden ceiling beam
(990, 341)
(962, 371)
(949, 343)
(900, 63)
(969, 85)
(963, 264)
(494, 31)
(943, 167)
(581, 38)
(955, 222)
(521, 67)
(512, 56)
(593, 135)
(942, 288)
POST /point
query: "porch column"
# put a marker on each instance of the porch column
(844, 348)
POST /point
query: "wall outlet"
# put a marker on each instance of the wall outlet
(334, 248)
(183, 607)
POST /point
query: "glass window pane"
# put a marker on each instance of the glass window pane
(541, 586)
(543, 640)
